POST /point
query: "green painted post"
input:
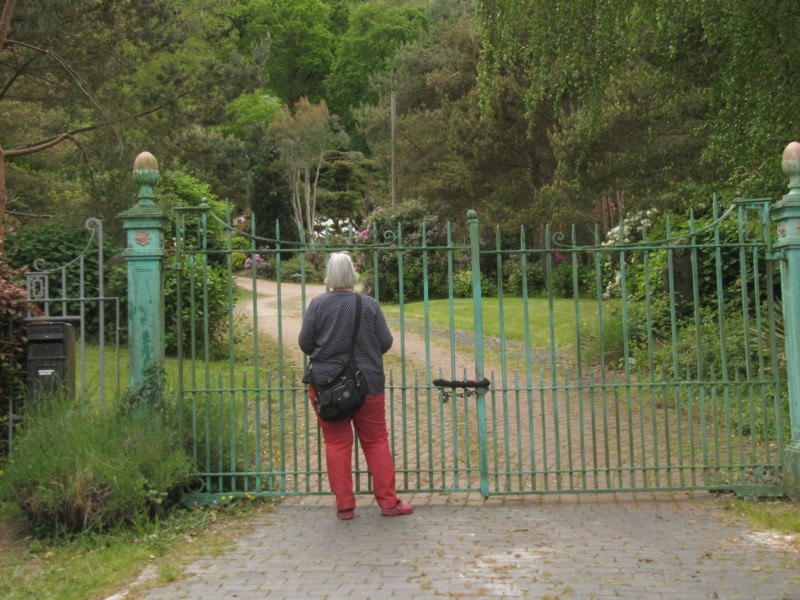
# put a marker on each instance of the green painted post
(477, 304)
(786, 215)
(144, 223)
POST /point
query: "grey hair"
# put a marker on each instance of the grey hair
(340, 272)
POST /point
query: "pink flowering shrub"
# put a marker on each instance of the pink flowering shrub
(394, 239)
(263, 263)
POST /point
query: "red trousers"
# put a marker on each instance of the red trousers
(370, 426)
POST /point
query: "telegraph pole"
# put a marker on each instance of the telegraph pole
(393, 110)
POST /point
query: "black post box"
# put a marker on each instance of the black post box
(51, 357)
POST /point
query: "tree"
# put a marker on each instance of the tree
(304, 136)
(662, 100)
(375, 31)
(270, 196)
(300, 42)
(110, 77)
(252, 109)
(449, 154)
(344, 180)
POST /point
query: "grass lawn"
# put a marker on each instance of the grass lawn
(539, 321)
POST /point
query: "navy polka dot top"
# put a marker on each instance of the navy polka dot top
(327, 333)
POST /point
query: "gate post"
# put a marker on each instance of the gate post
(786, 215)
(477, 309)
(145, 223)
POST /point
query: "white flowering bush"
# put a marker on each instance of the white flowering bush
(629, 232)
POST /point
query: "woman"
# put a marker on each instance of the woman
(326, 337)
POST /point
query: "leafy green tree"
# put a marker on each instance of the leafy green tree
(751, 60)
(449, 153)
(300, 42)
(252, 109)
(431, 78)
(659, 101)
(345, 189)
(376, 29)
(270, 195)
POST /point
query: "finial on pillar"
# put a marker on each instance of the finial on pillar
(145, 174)
(791, 167)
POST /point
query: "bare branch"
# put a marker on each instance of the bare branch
(22, 214)
(39, 146)
(16, 76)
(75, 77)
(69, 135)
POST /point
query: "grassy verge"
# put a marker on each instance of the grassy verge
(780, 517)
(99, 566)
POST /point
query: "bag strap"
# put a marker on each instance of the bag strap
(356, 325)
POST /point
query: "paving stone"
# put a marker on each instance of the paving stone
(669, 546)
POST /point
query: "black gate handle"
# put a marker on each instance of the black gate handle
(467, 383)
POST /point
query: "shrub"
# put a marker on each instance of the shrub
(217, 424)
(264, 264)
(177, 188)
(290, 270)
(462, 285)
(238, 261)
(80, 471)
(512, 275)
(410, 216)
(219, 309)
(635, 330)
(561, 278)
(13, 341)
(707, 254)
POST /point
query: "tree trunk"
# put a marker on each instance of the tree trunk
(297, 206)
(2, 199)
(5, 25)
(307, 192)
(317, 169)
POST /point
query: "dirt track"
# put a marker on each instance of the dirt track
(283, 323)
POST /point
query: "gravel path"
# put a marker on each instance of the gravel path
(283, 323)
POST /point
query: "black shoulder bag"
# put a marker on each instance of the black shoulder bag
(343, 394)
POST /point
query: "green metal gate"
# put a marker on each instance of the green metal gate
(642, 359)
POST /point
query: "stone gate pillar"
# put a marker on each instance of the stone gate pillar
(786, 215)
(145, 224)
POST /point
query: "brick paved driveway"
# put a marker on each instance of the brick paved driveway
(458, 546)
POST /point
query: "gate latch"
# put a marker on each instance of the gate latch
(476, 388)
